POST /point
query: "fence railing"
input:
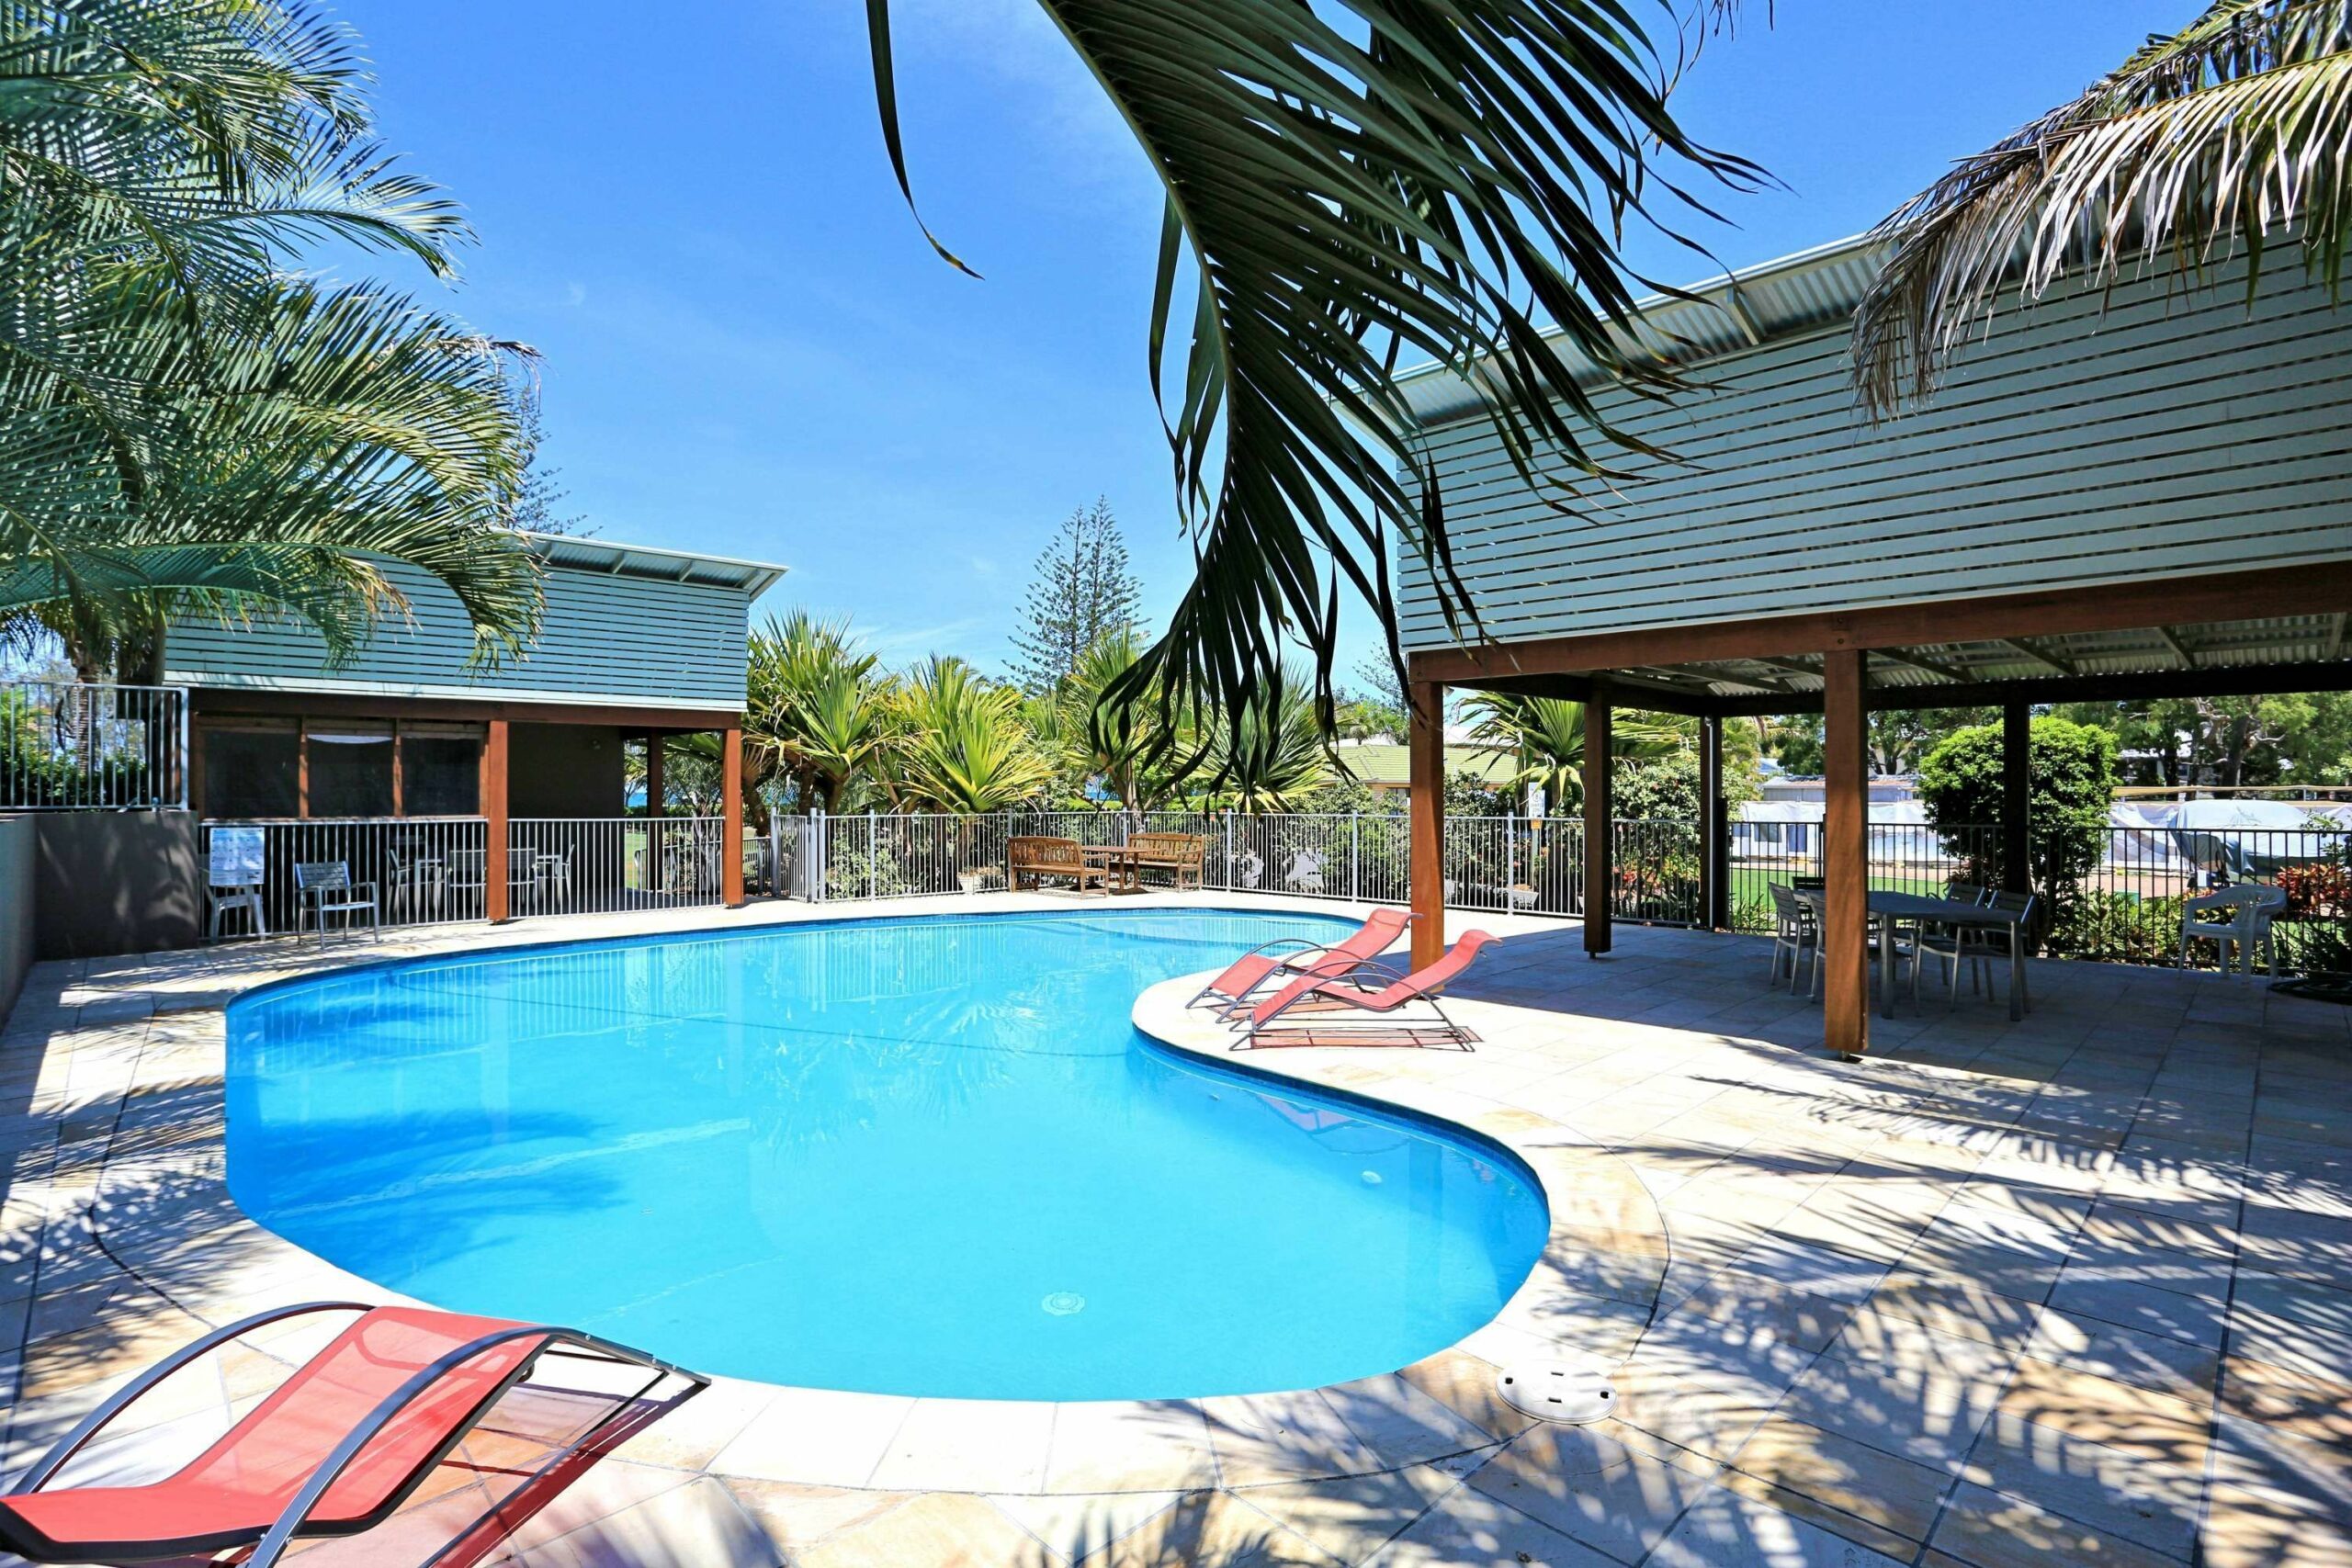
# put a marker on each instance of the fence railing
(2125, 903)
(2125, 907)
(65, 746)
(602, 865)
(427, 871)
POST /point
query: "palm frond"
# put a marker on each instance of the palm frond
(184, 427)
(2235, 129)
(1346, 184)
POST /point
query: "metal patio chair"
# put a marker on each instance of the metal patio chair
(323, 888)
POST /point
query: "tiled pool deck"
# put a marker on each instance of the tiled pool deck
(2073, 1290)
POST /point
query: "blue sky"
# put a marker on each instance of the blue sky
(750, 350)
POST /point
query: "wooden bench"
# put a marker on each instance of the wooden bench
(1179, 855)
(1028, 861)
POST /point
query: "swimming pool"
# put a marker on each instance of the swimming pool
(922, 1154)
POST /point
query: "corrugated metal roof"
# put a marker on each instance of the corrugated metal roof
(1740, 310)
(655, 562)
(2284, 640)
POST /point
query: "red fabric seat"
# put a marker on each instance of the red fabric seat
(229, 1495)
(1387, 998)
(1382, 927)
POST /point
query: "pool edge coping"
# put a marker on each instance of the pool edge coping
(1444, 1406)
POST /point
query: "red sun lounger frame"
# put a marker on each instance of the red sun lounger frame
(403, 1386)
(1349, 994)
(1289, 957)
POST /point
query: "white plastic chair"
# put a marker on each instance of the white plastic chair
(2251, 907)
(1793, 931)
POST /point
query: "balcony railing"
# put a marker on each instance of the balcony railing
(66, 746)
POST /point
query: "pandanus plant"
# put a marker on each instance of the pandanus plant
(965, 750)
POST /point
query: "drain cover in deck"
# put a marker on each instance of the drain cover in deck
(1570, 1392)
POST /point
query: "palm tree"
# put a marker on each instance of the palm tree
(816, 714)
(2233, 129)
(1271, 755)
(1545, 738)
(964, 747)
(185, 427)
(1348, 182)
(1136, 750)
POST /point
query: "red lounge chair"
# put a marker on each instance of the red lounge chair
(1291, 956)
(1317, 996)
(336, 1449)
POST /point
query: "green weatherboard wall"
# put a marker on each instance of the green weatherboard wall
(606, 635)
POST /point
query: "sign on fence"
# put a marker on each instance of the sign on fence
(237, 859)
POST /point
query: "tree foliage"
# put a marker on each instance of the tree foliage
(2236, 128)
(965, 747)
(2072, 768)
(1346, 184)
(187, 425)
(1081, 592)
(1546, 739)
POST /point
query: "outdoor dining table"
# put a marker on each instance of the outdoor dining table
(1123, 861)
(1887, 907)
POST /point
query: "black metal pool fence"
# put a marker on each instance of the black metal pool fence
(2122, 902)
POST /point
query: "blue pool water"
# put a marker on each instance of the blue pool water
(925, 1155)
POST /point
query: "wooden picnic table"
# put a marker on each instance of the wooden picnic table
(1122, 866)
(1887, 907)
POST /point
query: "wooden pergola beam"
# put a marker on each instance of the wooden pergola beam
(1845, 841)
(1600, 842)
(1425, 819)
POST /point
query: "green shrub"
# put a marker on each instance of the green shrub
(858, 871)
(2071, 782)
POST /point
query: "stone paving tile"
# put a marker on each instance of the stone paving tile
(1855, 1480)
(1608, 1494)
(1831, 1278)
(1728, 1529)
(1984, 1529)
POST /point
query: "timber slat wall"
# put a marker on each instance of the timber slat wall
(605, 635)
(2174, 432)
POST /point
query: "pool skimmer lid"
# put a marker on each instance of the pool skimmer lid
(1572, 1394)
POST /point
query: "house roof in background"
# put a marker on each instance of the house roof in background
(1387, 766)
(655, 562)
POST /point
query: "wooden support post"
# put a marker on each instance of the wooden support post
(496, 887)
(1599, 838)
(399, 791)
(1715, 828)
(656, 798)
(730, 819)
(2016, 796)
(1425, 771)
(301, 767)
(1845, 831)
